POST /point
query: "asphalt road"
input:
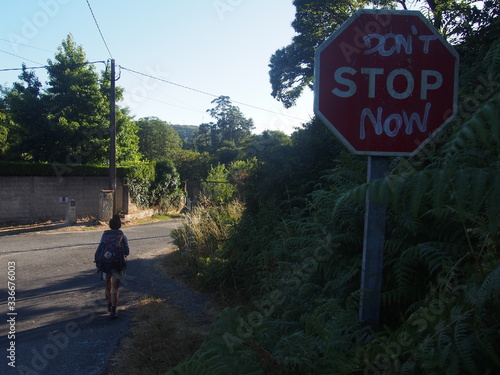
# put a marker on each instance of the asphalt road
(59, 323)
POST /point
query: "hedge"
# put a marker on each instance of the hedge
(58, 170)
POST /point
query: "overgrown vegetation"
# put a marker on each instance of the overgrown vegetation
(292, 261)
(156, 184)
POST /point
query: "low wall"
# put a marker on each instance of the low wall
(29, 199)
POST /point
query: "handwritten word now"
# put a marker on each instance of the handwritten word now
(393, 123)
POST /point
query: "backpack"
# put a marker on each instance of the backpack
(109, 255)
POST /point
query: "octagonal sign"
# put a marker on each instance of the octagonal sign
(386, 82)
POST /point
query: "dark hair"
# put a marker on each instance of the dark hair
(115, 222)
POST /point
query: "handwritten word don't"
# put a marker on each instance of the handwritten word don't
(388, 44)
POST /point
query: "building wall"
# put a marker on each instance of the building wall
(30, 199)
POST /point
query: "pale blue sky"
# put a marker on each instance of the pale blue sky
(220, 47)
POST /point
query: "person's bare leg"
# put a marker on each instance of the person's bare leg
(107, 293)
(115, 284)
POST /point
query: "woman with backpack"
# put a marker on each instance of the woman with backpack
(110, 261)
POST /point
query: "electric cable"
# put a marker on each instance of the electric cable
(207, 93)
(98, 28)
(20, 57)
(47, 66)
(25, 45)
(186, 105)
(163, 102)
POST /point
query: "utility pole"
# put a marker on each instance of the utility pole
(112, 137)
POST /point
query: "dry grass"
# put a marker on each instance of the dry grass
(161, 337)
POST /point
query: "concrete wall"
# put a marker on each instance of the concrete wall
(30, 199)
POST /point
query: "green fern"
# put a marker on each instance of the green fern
(481, 131)
(491, 60)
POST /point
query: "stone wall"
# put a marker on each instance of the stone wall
(32, 199)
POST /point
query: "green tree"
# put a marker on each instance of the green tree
(127, 140)
(68, 122)
(192, 165)
(157, 139)
(202, 140)
(4, 131)
(261, 145)
(230, 125)
(30, 131)
(77, 107)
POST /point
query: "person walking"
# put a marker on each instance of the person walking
(110, 261)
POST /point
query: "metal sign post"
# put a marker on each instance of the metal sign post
(373, 246)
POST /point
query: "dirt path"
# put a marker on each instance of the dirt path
(168, 323)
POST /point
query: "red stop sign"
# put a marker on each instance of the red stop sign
(385, 82)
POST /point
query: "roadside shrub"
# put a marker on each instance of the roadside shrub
(217, 188)
(165, 192)
(155, 184)
(200, 240)
(139, 179)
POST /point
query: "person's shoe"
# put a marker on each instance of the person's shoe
(109, 307)
(113, 315)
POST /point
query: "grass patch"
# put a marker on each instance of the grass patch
(161, 217)
(161, 337)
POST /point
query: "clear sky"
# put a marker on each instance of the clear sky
(221, 47)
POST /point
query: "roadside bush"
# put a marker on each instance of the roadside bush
(155, 184)
(217, 188)
(200, 240)
(165, 190)
(139, 179)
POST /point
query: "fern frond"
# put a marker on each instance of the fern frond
(484, 338)
(480, 132)
(492, 59)
(490, 287)
(417, 190)
(440, 190)
(465, 346)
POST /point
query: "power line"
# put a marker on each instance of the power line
(47, 66)
(207, 93)
(163, 102)
(186, 105)
(20, 57)
(98, 28)
(25, 45)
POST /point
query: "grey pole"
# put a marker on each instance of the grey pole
(373, 247)
(112, 136)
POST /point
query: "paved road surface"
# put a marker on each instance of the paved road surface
(62, 326)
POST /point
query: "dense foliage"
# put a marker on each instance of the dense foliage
(156, 184)
(298, 274)
(291, 262)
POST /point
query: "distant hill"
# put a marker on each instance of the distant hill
(186, 132)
